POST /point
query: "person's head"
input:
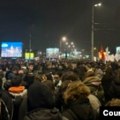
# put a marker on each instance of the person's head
(21, 72)
(76, 91)
(39, 96)
(69, 75)
(49, 76)
(16, 80)
(30, 67)
(15, 69)
(67, 78)
(50, 85)
(40, 77)
(29, 79)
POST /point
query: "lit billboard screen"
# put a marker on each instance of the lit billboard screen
(52, 52)
(29, 55)
(11, 49)
(117, 50)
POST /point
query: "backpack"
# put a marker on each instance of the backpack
(4, 113)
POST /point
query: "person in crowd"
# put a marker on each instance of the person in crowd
(50, 85)
(28, 79)
(30, 68)
(13, 70)
(66, 78)
(95, 102)
(76, 98)
(95, 85)
(81, 70)
(114, 91)
(106, 82)
(6, 104)
(39, 77)
(1, 79)
(17, 92)
(111, 82)
(40, 103)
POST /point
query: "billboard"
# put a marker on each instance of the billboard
(52, 52)
(118, 50)
(11, 49)
(29, 55)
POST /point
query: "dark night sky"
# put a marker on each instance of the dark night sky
(49, 20)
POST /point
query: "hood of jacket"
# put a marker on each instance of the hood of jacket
(39, 96)
(44, 114)
(81, 110)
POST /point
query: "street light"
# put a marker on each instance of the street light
(64, 39)
(92, 29)
(72, 43)
(98, 5)
(66, 43)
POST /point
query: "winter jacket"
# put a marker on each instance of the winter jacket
(23, 109)
(45, 114)
(17, 97)
(95, 85)
(80, 110)
(6, 106)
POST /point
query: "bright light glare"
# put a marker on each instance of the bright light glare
(69, 46)
(64, 39)
(72, 43)
(66, 43)
(98, 5)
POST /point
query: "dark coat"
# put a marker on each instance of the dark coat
(114, 91)
(40, 103)
(80, 110)
(6, 106)
(111, 84)
(106, 83)
(44, 114)
(39, 96)
(23, 110)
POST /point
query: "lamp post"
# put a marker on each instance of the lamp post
(92, 29)
(30, 45)
(62, 40)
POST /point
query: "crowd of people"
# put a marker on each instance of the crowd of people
(57, 90)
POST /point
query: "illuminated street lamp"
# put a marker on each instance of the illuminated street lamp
(73, 46)
(66, 43)
(92, 29)
(64, 39)
(69, 46)
(72, 43)
(98, 5)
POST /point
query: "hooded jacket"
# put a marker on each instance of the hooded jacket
(45, 114)
(95, 85)
(41, 103)
(80, 110)
(39, 96)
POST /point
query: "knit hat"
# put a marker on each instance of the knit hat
(39, 96)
